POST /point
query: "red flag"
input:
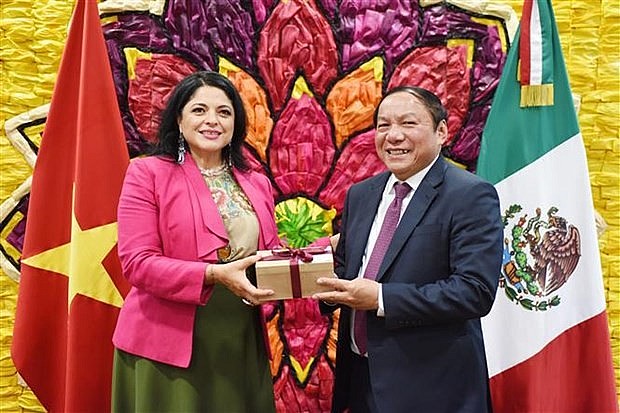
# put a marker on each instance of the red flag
(71, 286)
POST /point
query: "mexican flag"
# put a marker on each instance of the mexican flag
(71, 286)
(546, 338)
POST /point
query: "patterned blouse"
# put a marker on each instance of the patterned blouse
(236, 212)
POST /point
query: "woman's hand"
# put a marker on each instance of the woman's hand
(232, 276)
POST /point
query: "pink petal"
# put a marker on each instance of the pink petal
(441, 70)
(149, 90)
(357, 162)
(296, 36)
(301, 151)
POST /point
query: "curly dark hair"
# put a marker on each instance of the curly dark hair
(168, 134)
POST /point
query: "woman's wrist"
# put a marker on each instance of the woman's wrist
(210, 277)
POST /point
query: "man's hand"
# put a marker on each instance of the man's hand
(333, 241)
(359, 294)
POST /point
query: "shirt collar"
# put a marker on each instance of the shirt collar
(413, 181)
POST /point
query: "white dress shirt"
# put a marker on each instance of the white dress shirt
(386, 200)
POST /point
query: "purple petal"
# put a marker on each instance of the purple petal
(200, 28)
(366, 29)
(139, 31)
(467, 146)
(261, 10)
(329, 6)
(16, 236)
(443, 22)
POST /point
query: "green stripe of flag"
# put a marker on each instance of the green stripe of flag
(514, 137)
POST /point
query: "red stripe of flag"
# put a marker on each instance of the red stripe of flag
(565, 376)
(524, 43)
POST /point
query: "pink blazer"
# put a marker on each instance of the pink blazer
(168, 229)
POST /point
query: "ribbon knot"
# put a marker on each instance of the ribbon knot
(303, 254)
(294, 255)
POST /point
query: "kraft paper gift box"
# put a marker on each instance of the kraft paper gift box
(292, 273)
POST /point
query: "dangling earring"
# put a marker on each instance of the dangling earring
(181, 151)
(230, 163)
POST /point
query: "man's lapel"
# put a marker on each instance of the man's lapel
(367, 209)
(422, 199)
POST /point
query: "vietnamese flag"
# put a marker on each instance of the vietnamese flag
(546, 337)
(71, 286)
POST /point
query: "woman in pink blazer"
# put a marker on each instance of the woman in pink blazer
(191, 216)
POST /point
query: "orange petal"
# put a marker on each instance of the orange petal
(352, 101)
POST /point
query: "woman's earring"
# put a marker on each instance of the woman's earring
(230, 156)
(181, 151)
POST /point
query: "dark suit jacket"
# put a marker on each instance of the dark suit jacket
(439, 276)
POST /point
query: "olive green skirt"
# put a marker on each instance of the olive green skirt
(228, 372)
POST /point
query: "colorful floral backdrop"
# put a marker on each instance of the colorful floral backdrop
(310, 74)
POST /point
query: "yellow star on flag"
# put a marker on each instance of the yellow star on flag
(81, 260)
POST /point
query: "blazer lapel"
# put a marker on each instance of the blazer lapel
(257, 199)
(207, 217)
(369, 204)
(422, 199)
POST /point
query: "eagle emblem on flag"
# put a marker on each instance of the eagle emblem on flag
(540, 255)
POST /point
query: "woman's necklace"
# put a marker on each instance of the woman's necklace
(211, 172)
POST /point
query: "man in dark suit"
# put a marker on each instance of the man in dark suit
(418, 263)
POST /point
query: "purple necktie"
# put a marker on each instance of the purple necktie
(390, 222)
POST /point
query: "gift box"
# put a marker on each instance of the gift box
(292, 272)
